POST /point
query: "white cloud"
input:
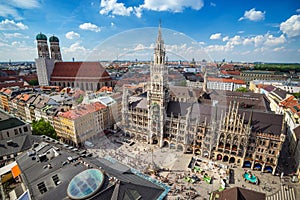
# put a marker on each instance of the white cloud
(18, 44)
(298, 10)
(89, 26)
(172, 5)
(72, 35)
(12, 25)
(6, 11)
(75, 50)
(138, 11)
(28, 4)
(253, 15)
(10, 8)
(216, 36)
(274, 41)
(2, 44)
(14, 35)
(279, 49)
(214, 48)
(112, 24)
(232, 42)
(114, 8)
(291, 27)
(140, 47)
(267, 40)
(226, 38)
(257, 40)
(76, 47)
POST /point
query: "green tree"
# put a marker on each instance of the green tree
(42, 127)
(242, 89)
(80, 99)
(34, 82)
(297, 95)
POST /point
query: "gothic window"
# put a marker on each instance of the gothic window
(222, 137)
(228, 139)
(235, 140)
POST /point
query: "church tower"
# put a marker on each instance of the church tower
(44, 64)
(42, 46)
(158, 95)
(54, 48)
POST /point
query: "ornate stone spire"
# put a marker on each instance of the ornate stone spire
(159, 51)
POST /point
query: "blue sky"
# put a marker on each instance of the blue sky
(234, 30)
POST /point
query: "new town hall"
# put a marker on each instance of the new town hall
(227, 126)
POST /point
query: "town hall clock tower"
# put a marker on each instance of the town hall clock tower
(158, 93)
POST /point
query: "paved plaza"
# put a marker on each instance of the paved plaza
(173, 169)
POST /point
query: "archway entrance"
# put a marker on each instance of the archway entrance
(154, 139)
(179, 147)
(232, 160)
(166, 144)
(219, 157)
(257, 166)
(268, 169)
(172, 146)
(247, 164)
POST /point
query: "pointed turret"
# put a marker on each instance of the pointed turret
(159, 51)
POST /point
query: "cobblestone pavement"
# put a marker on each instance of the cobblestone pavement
(142, 156)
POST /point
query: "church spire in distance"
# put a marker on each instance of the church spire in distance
(159, 51)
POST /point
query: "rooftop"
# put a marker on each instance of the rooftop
(10, 123)
(82, 110)
(48, 175)
(226, 80)
(238, 193)
(15, 145)
(79, 71)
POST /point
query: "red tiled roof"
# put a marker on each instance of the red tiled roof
(9, 72)
(292, 103)
(13, 84)
(231, 72)
(268, 88)
(8, 78)
(105, 89)
(82, 110)
(237, 81)
(79, 70)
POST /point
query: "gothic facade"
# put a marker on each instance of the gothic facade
(189, 120)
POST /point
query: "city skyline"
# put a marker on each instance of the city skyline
(254, 31)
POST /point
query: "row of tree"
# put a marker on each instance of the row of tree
(278, 67)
